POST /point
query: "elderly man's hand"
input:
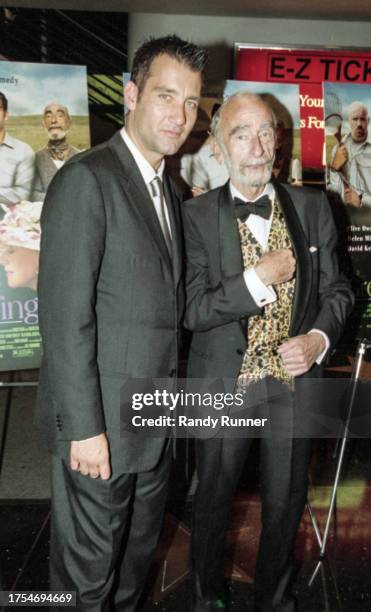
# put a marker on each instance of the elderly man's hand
(340, 158)
(90, 457)
(276, 267)
(298, 354)
(352, 198)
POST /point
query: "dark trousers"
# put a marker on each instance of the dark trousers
(104, 534)
(284, 481)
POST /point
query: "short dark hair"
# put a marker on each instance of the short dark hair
(184, 51)
(3, 101)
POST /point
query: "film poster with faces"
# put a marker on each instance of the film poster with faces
(46, 123)
(348, 181)
(330, 81)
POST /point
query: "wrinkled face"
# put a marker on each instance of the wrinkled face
(163, 114)
(358, 120)
(21, 266)
(247, 141)
(56, 121)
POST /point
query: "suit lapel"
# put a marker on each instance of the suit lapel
(303, 285)
(175, 225)
(229, 247)
(229, 238)
(136, 190)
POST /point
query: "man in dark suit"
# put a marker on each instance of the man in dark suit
(265, 301)
(111, 302)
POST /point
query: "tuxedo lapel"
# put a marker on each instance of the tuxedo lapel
(229, 238)
(303, 285)
(229, 246)
(136, 190)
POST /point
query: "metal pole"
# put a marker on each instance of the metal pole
(361, 349)
(355, 376)
(8, 404)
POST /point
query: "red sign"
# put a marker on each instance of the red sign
(308, 69)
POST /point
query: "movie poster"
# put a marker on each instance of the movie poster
(44, 120)
(307, 68)
(348, 182)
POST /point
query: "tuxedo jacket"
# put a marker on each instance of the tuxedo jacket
(218, 301)
(110, 302)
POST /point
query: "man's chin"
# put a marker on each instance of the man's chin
(172, 147)
(253, 181)
(56, 135)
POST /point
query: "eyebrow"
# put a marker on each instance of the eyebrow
(169, 90)
(239, 128)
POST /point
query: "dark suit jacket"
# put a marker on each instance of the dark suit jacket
(110, 301)
(218, 302)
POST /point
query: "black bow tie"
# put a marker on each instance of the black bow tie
(262, 207)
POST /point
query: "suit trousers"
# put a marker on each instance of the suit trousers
(284, 465)
(104, 534)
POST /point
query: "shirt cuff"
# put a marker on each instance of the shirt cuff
(261, 294)
(325, 337)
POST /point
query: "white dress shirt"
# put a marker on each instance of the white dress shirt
(148, 173)
(260, 229)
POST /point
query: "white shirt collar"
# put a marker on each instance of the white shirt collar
(268, 190)
(145, 168)
(8, 141)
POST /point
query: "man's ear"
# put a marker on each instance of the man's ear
(217, 152)
(130, 95)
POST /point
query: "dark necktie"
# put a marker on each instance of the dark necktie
(262, 207)
(158, 190)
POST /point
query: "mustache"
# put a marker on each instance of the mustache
(262, 163)
(256, 164)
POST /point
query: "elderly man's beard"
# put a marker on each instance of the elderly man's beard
(56, 133)
(243, 177)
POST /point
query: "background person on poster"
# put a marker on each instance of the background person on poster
(56, 121)
(350, 167)
(203, 172)
(17, 162)
(20, 244)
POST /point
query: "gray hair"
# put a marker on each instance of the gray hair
(355, 106)
(61, 106)
(216, 119)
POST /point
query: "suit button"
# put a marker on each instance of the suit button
(172, 373)
(240, 351)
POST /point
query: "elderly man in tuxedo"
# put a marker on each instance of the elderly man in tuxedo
(265, 301)
(111, 302)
